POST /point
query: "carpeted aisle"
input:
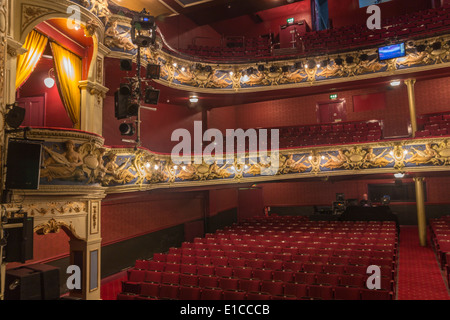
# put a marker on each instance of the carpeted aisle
(419, 276)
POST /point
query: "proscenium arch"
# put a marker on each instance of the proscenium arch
(59, 11)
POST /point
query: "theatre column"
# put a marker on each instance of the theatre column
(421, 216)
(93, 92)
(412, 104)
(87, 255)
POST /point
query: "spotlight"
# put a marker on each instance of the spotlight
(15, 115)
(127, 129)
(143, 41)
(153, 71)
(143, 22)
(395, 83)
(151, 96)
(399, 175)
(126, 65)
(193, 99)
(126, 89)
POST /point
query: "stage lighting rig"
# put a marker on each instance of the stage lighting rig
(130, 95)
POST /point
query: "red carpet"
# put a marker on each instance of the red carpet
(419, 277)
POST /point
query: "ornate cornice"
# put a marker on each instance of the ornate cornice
(94, 88)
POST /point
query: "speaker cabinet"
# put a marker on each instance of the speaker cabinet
(49, 281)
(23, 284)
(19, 245)
(23, 164)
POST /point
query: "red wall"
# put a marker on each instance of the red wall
(180, 31)
(130, 215)
(156, 128)
(222, 200)
(272, 20)
(55, 113)
(347, 12)
(431, 96)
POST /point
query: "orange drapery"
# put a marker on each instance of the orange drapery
(35, 44)
(68, 67)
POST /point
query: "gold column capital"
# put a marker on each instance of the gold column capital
(419, 179)
(410, 82)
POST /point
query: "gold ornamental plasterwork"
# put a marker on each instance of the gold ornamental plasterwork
(31, 13)
(54, 226)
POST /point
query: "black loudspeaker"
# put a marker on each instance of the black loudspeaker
(124, 107)
(126, 65)
(49, 281)
(23, 164)
(19, 241)
(15, 117)
(23, 284)
(153, 71)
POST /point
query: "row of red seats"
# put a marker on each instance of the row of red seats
(440, 238)
(229, 278)
(433, 125)
(420, 24)
(292, 291)
(211, 267)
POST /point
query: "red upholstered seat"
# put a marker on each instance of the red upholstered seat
(211, 294)
(234, 295)
(189, 293)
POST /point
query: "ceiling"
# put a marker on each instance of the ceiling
(202, 12)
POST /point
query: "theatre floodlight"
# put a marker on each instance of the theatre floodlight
(126, 65)
(127, 129)
(153, 71)
(151, 96)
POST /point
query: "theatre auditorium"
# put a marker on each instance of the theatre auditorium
(192, 150)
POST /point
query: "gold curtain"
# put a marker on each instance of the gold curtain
(68, 67)
(35, 44)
